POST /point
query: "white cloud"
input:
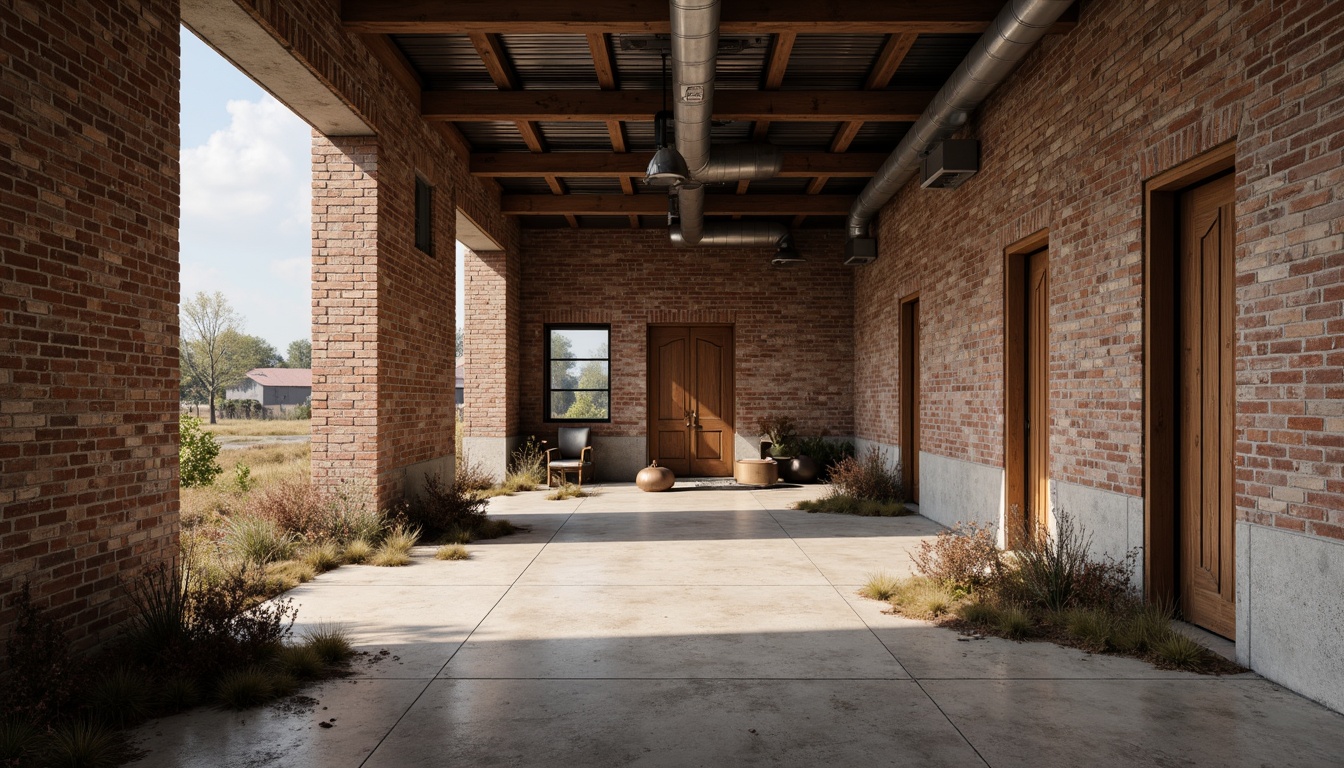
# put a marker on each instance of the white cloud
(246, 213)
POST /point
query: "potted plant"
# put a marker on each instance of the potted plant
(779, 436)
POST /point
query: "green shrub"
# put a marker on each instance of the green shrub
(257, 540)
(198, 454)
(331, 642)
(879, 586)
(242, 477)
(867, 478)
(963, 557)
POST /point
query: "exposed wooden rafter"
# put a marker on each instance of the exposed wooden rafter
(640, 106)
(752, 17)
(656, 205)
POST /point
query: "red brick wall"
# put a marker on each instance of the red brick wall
(390, 403)
(794, 329)
(88, 292)
(492, 372)
(1136, 89)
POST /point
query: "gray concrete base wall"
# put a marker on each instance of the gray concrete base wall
(953, 491)
(619, 459)
(1290, 610)
(413, 476)
(1113, 520)
(490, 453)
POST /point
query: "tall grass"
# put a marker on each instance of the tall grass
(258, 427)
(258, 541)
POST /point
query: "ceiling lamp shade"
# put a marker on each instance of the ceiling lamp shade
(787, 254)
(667, 169)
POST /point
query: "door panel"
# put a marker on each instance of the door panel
(1207, 567)
(691, 399)
(1038, 392)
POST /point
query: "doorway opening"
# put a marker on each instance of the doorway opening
(1189, 419)
(691, 399)
(910, 375)
(1026, 328)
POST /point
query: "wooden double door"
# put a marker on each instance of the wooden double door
(691, 399)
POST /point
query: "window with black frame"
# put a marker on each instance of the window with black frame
(578, 373)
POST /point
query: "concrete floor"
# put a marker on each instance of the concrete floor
(715, 627)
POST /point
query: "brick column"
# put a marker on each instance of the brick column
(491, 357)
(345, 309)
(88, 298)
(383, 330)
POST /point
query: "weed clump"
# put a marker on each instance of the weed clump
(880, 586)
(395, 550)
(567, 491)
(1051, 588)
(840, 504)
(357, 551)
(452, 552)
(329, 641)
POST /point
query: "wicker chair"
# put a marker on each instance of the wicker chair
(574, 454)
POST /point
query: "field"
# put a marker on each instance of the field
(257, 428)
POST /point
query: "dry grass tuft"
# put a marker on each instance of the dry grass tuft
(357, 551)
(567, 491)
(921, 598)
(452, 552)
(880, 586)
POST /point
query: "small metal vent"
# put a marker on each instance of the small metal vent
(860, 251)
(950, 163)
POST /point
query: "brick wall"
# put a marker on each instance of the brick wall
(383, 310)
(492, 373)
(88, 292)
(794, 331)
(1136, 89)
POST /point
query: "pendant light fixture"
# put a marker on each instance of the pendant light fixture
(667, 168)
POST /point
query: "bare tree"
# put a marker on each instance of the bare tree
(214, 349)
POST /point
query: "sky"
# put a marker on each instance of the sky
(246, 198)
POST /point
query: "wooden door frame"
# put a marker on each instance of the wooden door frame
(909, 384)
(650, 389)
(1161, 367)
(1016, 276)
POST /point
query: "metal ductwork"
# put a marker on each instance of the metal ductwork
(1010, 37)
(735, 234)
(695, 47)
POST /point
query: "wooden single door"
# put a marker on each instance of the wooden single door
(691, 399)
(1207, 570)
(910, 398)
(1027, 392)
(1038, 391)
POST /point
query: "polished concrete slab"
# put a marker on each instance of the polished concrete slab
(715, 626)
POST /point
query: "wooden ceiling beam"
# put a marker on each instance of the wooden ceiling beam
(640, 106)
(656, 205)
(796, 165)
(747, 17)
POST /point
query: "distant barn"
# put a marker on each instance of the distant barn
(280, 388)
